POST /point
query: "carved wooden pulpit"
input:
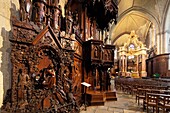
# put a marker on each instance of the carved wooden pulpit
(99, 58)
(93, 60)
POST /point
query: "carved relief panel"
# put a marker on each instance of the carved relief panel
(77, 78)
(96, 50)
(41, 75)
(108, 53)
(78, 48)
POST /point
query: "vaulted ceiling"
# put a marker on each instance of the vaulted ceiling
(133, 21)
(137, 15)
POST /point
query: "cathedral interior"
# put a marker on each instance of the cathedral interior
(59, 55)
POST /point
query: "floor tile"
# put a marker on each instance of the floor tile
(125, 104)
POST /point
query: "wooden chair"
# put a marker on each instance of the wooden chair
(165, 103)
(152, 101)
(141, 95)
(134, 89)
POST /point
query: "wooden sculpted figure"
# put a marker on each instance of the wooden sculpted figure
(22, 10)
(96, 53)
(50, 77)
(25, 9)
(69, 22)
(23, 87)
(56, 19)
(28, 8)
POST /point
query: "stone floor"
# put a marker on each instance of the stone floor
(125, 104)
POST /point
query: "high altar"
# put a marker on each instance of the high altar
(132, 57)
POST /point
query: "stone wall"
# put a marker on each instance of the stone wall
(8, 8)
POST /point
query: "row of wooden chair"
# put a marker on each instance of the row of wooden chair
(130, 85)
(141, 93)
(157, 102)
(153, 93)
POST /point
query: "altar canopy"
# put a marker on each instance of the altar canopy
(132, 57)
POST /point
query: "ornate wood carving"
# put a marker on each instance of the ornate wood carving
(78, 48)
(46, 74)
(77, 79)
(41, 74)
(108, 12)
(108, 55)
(98, 63)
(94, 47)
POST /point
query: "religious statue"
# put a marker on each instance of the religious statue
(25, 9)
(56, 20)
(22, 10)
(23, 87)
(69, 23)
(95, 53)
(50, 77)
(76, 79)
(67, 83)
(28, 8)
(91, 30)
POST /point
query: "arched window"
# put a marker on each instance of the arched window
(132, 46)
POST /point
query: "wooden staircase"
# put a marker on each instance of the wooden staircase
(96, 98)
(110, 95)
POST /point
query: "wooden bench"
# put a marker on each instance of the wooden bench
(141, 95)
(164, 103)
(158, 102)
(152, 101)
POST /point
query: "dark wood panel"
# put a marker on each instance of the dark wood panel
(158, 64)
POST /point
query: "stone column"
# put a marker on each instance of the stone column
(157, 44)
(137, 63)
(150, 34)
(143, 71)
(137, 66)
(166, 42)
(161, 44)
(153, 35)
(123, 65)
(120, 67)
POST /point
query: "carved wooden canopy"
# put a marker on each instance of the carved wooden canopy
(108, 12)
